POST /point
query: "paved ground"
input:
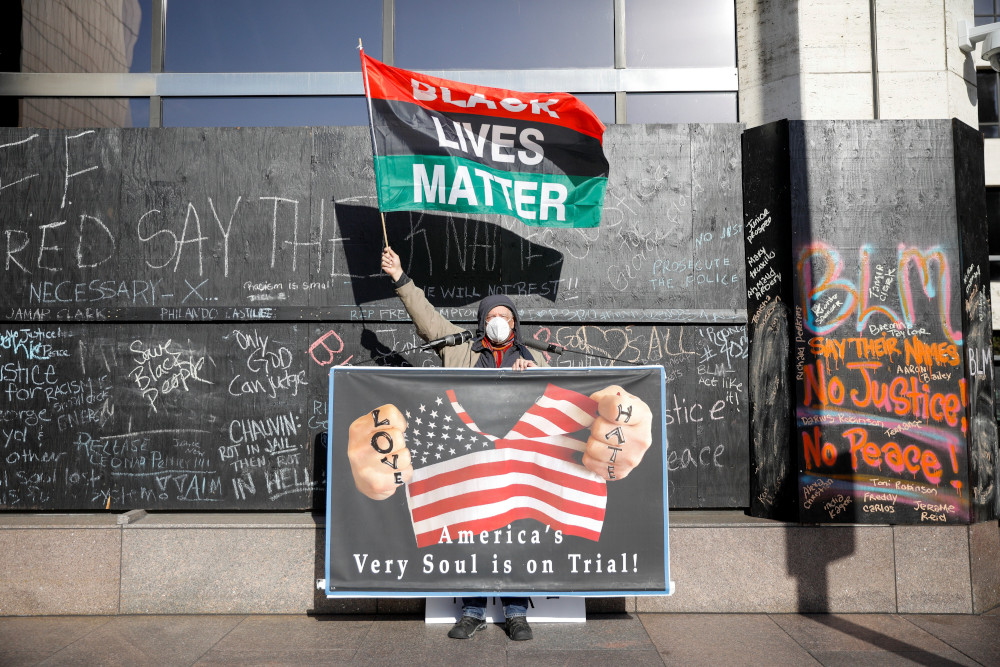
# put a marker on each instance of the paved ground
(605, 640)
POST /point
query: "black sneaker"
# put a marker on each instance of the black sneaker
(518, 629)
(466, 627)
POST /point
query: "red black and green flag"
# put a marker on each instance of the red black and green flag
(442, 145)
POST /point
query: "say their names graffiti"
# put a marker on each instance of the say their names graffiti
(882, 394)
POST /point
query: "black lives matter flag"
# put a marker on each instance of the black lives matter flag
(442, 145)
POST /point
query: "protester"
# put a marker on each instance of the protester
(619, 435)
(497, 344)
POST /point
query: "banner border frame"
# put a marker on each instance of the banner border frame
(670, 586)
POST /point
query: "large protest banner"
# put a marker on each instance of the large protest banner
(498, 501)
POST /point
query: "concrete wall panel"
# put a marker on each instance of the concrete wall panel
(911, 36)
(834, 36)
(56, 571)
(984, 547)
(243, 565)
(932, 571)
(721, 561)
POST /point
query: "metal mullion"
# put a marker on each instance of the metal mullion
(873, 25)
(619, 34)
(157, 52)
(237, 84)
(619, 5)
(389, 32)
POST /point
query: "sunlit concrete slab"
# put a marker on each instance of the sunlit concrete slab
(778, 568)
(28, 640)
(643, 639)
(899, 658)
(289, 633)
(586, 657)
(260, 563)
(723, 639)
(623, 632)
(975, 636)
(866, 639)
(413, 642)
(147, 640)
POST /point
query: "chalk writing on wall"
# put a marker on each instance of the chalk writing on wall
(280, 224)
(174, 300)
(180, 416)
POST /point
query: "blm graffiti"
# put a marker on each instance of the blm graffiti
(882, 398)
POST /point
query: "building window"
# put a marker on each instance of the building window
(674, 33)
(993, 233)
(78, 38)
(987, 11)
(240, 63)
(76, 112)
(989, 108)
(286, 36)
(504, 34)
(602, 104)
(993, 224)
(681, 107)
(277, 111)
(83, 37)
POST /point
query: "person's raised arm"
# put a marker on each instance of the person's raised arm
(429, 322)
(391, 264)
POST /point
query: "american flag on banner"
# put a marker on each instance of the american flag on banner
(474, 481)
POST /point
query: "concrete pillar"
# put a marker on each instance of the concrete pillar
(813, 60)
(921, 71)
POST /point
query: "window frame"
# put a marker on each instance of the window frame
(157, 84)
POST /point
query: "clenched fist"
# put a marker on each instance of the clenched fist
(620, 435)
(377, 450)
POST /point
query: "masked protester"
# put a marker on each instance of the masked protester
(497, 344)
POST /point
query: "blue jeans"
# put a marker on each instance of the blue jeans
(476, 607)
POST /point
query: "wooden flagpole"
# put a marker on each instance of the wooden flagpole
(371, 127)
